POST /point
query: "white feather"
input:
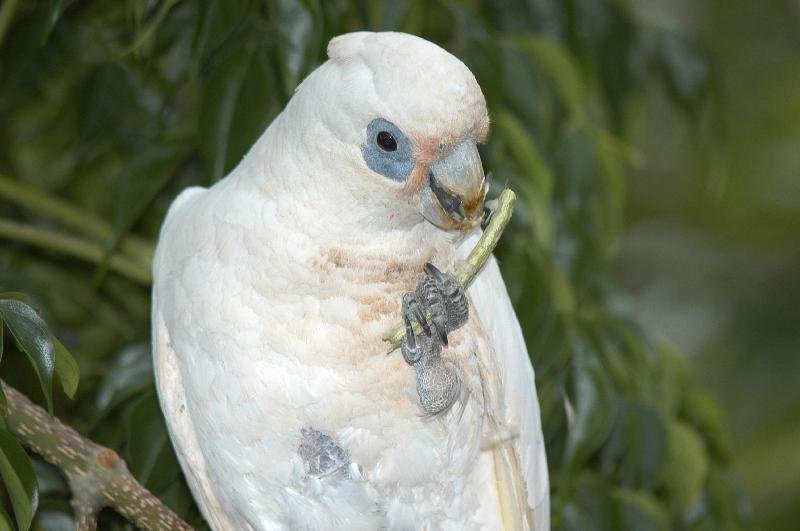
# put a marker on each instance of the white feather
(521, 415)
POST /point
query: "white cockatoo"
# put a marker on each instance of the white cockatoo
(274, 287)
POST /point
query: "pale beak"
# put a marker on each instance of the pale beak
(456, 187)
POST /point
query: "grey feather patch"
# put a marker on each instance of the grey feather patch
(321, 456)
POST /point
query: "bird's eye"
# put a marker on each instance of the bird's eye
(386, 141)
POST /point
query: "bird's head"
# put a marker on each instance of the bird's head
(407, 117)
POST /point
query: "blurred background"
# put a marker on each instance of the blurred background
(653, 257)
(711, 248)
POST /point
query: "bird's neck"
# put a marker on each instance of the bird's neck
(394, 261)
(349, 231)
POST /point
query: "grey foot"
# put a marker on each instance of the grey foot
(415, 346)
(445, 299)
(440, 296)
(438, 384)
(441, 299)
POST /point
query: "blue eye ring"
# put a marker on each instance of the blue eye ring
(387, 150)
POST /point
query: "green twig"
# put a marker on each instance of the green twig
(72, 246)
(470, 268)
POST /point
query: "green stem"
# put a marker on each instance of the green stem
(468, 270)
(72, 246)
(34, 200)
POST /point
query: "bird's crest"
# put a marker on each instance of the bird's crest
(345, 47)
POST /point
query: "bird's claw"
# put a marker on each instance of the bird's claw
(413, 346)
(441, 297)
(452, 309)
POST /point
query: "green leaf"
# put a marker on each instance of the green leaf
(147, 32)
(479, 49)
(612, 192)
(525, 151)
(57, 9)
(553, 59)
(16, 295)
(299, 37)
(66, 368)
(537, 179)
(235, 107)
(675, 378)
(702, 412)
(34, 339)
(3, 401)
(387, 16)
(648, 443)
(590, 507)
(686, 469)
(5, 521)
(595, 405)
(222, 94)
(640, 511)
(562, 292)
(637, 447)
(529, 94)
(254, 108)
(19, 479)
(684, 68)
(724, 498)
(149, 452)
(217, 21)
(145, 175)
(128, 374)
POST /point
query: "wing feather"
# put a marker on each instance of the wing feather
(521, 414)
(172, 393)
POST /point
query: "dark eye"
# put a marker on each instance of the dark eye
(386, 141)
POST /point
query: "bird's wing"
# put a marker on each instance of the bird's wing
(226, 394)
(517, 393)
(172, 392)
(183, 434)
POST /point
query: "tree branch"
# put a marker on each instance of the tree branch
(97, 476)
(468, 270)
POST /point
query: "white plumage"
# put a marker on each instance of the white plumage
(272, 290)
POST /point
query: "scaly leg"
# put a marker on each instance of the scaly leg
(442, 297)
